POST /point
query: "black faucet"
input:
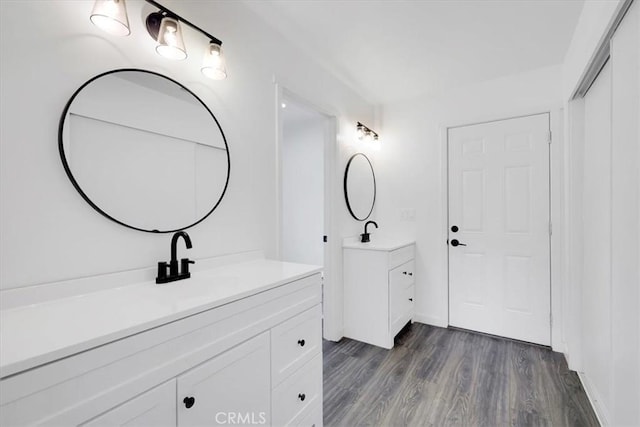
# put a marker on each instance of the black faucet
(365, 235)
(174, 274)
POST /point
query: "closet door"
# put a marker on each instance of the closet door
(596, 215)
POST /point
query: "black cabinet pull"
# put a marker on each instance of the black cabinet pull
(301, 343)
(302, 397)
(410, 299)
(189, 401)
(406, 272)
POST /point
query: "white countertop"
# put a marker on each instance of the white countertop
(35, 334)
(377, 243)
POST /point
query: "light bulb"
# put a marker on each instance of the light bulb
(368, 136)
(213, 63)
(170, 43)
(111, 16)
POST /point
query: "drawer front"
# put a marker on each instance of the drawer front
(156, 407)
(312, 417)
(230, 387)
(400, 256)
(294, 342)
(298, 394)
(402, 276)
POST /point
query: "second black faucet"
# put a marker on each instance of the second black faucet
(365, 236)
(174, 273)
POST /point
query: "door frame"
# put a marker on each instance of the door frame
(556, 207)
(330, 311)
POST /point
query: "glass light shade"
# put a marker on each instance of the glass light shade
(111, 16)
(213, 63)
(170, 42)
(368, 136)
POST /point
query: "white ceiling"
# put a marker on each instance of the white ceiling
(390, 50)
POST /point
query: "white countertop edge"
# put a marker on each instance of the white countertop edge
(19, 364)
(377, 244)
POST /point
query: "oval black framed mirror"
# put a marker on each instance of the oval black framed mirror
(359, 186)
(144, 151)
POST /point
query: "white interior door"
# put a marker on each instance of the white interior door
(499, 283)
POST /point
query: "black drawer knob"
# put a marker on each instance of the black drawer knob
(302, 397)
(189, 401)
(301, 343)
(410, 299)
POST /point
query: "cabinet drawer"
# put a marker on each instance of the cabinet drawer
(400, 307)
(312, 418)
(294, 342)
(400, 256)
(298, 394)
(156, 407)
(403, 275)
(231, 387)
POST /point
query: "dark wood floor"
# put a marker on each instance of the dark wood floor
(444, 377)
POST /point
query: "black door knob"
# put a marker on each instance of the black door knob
(301, 343)
(189, 401)
(454, 228)
(302, 397)
(455, 242)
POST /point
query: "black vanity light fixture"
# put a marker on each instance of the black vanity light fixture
(164, 27)
(365, 134)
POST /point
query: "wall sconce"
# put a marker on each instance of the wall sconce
(111, 16)
(365, 134)
(164, 27)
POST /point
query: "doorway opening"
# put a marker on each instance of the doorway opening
(306, 140)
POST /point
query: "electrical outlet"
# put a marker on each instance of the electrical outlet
(407, 214)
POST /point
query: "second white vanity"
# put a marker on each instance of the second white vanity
(239, 344)
(378, 289)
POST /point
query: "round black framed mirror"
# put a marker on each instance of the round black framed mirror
(359, 186)
(144, 151)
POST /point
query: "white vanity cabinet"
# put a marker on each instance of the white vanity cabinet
(254, 360)
(378, 290)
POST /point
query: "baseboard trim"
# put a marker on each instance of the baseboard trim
(334, 337)
(429, 320)
(594, 399)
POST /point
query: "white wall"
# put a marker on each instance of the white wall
(412, 166)
(303, 190)
(50, 48)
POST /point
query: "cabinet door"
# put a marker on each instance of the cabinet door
(230, 389)
(154, 408)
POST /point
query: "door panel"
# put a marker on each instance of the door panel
(499, 198)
